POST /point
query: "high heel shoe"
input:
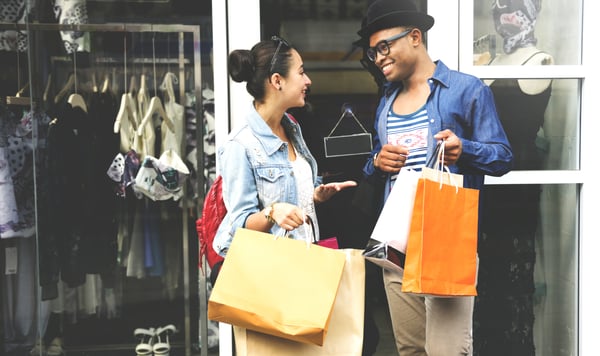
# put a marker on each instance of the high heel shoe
(146, 337)
(162, 346)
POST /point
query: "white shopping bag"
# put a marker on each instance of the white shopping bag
(393, 224)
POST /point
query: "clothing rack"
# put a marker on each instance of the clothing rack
(112, 60)
(108, 27)
(33, 28)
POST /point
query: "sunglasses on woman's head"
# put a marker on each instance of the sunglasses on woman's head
(279, 41)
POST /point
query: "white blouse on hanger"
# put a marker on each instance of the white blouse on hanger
(172, 139)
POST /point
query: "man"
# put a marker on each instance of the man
(424, 102)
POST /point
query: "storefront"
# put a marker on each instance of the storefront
(89, 264)
(542, 212)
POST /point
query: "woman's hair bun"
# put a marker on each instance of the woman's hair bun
(241, 65)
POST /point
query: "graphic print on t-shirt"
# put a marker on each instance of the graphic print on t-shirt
(410, 131)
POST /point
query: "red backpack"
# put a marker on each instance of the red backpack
(213, 212)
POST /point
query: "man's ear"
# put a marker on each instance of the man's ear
(416, 36)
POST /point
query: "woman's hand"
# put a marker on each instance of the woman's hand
(288, 216)
(325, 191)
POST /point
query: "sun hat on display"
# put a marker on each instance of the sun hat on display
(383, 14)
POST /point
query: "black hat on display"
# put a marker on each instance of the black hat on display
(383, 14)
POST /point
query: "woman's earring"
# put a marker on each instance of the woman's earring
(279, 88)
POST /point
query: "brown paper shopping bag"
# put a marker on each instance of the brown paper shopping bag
(441, 255)
(277, 286)
(345, 334)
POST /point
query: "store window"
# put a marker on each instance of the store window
(532, 213)
(529, 246)
(104, 104)
(551, 26)
(542, 118)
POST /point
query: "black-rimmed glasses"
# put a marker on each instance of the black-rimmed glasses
(279, 41)
(383, 47)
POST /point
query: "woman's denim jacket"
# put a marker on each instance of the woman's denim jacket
(257, 172)
(465, 105)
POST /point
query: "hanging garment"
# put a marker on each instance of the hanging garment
(8, 204)
(19, 154)
(68, 166)
(14, 11)
(503, 317)
(100, 228)
(73, 12)
(172, 139)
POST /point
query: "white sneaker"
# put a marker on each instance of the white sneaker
(55, 348)
(38, 349)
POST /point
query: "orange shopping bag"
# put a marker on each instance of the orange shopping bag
(441, 255)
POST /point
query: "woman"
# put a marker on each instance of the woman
(270, 180)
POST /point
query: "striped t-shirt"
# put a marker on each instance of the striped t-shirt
(411, 131)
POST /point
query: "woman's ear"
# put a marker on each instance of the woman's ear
(276, 80)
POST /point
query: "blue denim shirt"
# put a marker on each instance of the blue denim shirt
(257, 172)
(465, 105)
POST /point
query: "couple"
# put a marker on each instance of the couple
(270, 179)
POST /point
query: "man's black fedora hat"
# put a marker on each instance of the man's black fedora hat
(383, 14)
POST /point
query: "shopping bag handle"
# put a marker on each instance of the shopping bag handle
(307, 233)
(437, 162)
(433, 160)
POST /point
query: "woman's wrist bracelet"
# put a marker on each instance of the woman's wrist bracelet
(269, 213)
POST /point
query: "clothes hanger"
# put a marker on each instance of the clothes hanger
(75, 99)
(167, 86)
(47, 88)
(106, 83)
(126, 112)
(133, 85)
(155, 106)
(65, 89)
(142, 96)
(169, 78)
(18, 99)
(127, 109)
(94, 83)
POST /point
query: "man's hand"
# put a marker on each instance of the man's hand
(391, 158)
(452, 146)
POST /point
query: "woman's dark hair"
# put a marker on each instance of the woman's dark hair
(258, 64)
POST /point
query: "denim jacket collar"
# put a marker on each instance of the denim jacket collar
(441, 75)
(263, 132)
